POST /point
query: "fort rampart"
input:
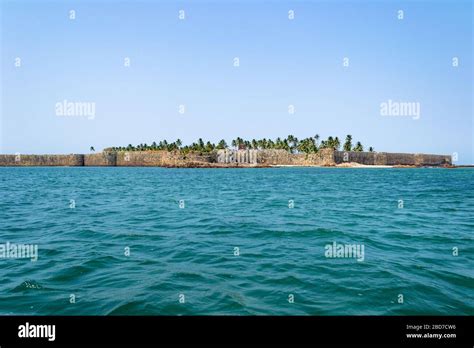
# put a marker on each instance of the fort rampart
(226, 158)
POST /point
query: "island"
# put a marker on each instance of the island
(289, 151)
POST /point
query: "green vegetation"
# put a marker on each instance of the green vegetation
(348, 143)
(290, 143)
(358, 147)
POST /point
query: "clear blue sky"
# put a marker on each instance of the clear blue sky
(282, 62)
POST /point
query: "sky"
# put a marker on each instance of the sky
(47, 58)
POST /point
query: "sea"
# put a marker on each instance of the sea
(236, 241)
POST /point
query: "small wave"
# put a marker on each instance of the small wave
(28, 285)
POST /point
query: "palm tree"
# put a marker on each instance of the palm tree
(316, 137)
(331, 143)
(348, 143)
(295, 143)
(292, 141)
(254, 144)
(358, 147)
(222, 144)
(200, 144)
(209, 147)
(278, 143)
(240, 143)
(237, 143)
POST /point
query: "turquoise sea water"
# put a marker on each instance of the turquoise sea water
(191, 250)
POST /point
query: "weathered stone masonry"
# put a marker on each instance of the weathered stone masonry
(324, 157)
(391, 159)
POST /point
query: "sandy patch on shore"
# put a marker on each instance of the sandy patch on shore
(341, 165)
(358, 165)
(289, 165)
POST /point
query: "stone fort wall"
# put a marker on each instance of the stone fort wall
(324, 157)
